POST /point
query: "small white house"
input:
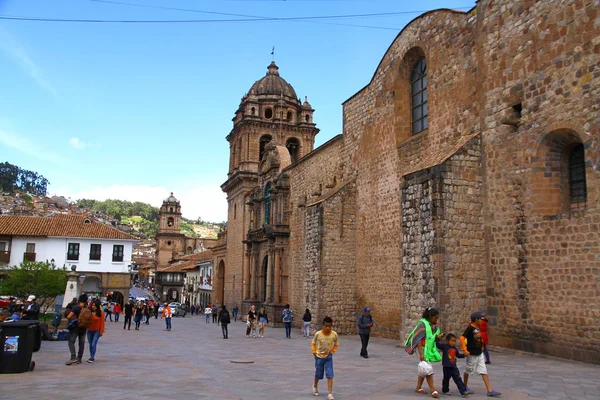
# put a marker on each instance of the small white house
(96, 249)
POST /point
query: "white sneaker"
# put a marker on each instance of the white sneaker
(330, 397)
(315, 391)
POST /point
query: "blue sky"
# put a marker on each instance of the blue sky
(135, 111)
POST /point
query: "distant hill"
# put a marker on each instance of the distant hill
(143, 217)
(137, 218)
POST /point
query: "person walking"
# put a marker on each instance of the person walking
(422, 338)
(128, 314)
(449, 355)
(117, 311)
(225, 319)
(287, 316)
(108, 312)
(324, 345)
(365, 323)
(214, 313)
(139, 313)
(96, 329)
(251, 321)
(472, 347)
(147, 313)
(483, 328)
(167, 314)
(235, 312)
(207, 312)
(156, 308)
(306, 318)
(263, 319)
(77, 332)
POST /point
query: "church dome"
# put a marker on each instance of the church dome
(171, 199)
(273, 84)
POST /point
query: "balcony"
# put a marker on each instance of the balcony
(29, 257)
(4, 257)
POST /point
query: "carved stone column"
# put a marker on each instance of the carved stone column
(277, 297)
(246, 276)
(269, 294)
(254, 269)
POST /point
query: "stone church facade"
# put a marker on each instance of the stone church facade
(466, 178)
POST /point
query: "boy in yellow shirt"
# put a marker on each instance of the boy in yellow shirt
(324, 345)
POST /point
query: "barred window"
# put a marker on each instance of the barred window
(418, 91)
(577, 184)
(117, 255)
(95, 252)
(73, 251)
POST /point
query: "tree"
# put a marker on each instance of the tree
(42, 279)
(13, 177)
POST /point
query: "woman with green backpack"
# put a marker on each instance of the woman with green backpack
(423, 338)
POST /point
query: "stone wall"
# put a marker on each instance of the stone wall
(443, 261)
(544, 258)
(312, 181)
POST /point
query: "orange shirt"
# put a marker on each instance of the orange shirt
(97, 323)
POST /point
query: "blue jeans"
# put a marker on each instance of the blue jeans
(324, 366)
(288, 329)
(168, 321)
(92, 337)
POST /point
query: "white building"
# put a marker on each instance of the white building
(100, 252)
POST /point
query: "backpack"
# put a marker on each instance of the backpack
(85, 318)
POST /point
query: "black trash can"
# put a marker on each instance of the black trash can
(18, 341)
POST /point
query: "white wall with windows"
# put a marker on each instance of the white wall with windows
(93, 255)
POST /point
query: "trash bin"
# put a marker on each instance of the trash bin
(18, 340)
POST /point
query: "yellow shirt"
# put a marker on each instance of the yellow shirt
(322, 345)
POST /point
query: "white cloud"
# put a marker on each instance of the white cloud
(26, 146)
(197, 200)
(13, 49)
(80, 144)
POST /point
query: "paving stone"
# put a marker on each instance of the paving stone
(193, 361)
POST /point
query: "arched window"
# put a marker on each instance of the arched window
(289, 116)
(170, 222)
(293, 146)
(418, 90)
(577, 183)
(253, 111)
(558, 183)
(264, 139)
(306, 118)
(268, 113)
(267, 199)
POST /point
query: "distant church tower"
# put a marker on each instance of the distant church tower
(270, 112)
(169, 240)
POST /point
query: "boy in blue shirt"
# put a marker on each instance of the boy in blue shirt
(449, 355)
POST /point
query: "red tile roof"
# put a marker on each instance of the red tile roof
(62, 225)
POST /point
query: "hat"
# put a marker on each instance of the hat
(31, 298)
(477, 315)
(367, 309)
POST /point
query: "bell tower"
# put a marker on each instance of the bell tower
(169, 240)
(269, 113)
(169, 216)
